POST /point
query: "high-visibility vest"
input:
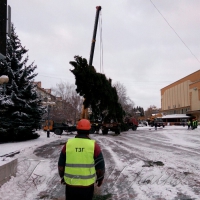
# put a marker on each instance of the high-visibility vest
(79, 166)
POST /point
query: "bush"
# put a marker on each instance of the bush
(22, 136)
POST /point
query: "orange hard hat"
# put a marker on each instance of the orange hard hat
(83, 124)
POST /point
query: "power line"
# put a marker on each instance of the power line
(53, 77)
(166, 81)
(175, 31)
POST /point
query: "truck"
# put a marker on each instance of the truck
(159, 122)
(95, 126)
(58, 127)
(111, 126)
(131, 123)
(128, 123)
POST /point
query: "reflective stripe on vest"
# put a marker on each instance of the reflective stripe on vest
(79, 166)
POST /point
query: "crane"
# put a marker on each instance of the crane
(84, 114)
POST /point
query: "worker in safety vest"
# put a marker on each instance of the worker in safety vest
(81, 164)
(194, 123)
(189, 124)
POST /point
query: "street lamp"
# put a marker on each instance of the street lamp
(3, 80)
(48, 103)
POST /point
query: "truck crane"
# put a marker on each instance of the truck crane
(98, 92)
(105, 126)
(84, 114)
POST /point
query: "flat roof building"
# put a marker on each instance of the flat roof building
(182, 96)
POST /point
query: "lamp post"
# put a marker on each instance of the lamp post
(48, 132)
(48, 103)
(3, 80)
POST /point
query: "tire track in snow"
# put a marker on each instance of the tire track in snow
(150, 147)
(176, 152)
(146, 150)
(115, 178)
(123, 148)
(147, 141)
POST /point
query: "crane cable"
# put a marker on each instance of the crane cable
(101, 44)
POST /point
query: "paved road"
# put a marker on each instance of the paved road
(51, 151)
(143, 164)
(170, 163)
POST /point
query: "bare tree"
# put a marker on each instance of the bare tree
(71, 101)
(126, 103)
(76, 103)
(151, 110)
(62, 90)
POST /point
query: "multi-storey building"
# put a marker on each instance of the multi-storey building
(182, 96)
(61, 111)
(45, 94)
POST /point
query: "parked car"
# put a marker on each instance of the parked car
(159, 122)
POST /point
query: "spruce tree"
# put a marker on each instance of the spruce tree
(97, 91)
(20, 105)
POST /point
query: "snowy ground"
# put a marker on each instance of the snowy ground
(143, 165)
(13, 147)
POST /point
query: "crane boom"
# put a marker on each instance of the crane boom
(94, 34)
(84, 113)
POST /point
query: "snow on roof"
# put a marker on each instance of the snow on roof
(175, 116)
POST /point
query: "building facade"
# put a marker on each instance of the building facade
(44, 93)
(182, 96)
(61, 111)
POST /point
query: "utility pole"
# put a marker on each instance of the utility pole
(48, 132)
(3, 21)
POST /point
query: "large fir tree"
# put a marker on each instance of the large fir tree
(20, 105)
(97, 91)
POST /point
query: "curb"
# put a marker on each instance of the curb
(7, 170)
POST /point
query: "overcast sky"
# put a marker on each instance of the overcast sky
(147, 44)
